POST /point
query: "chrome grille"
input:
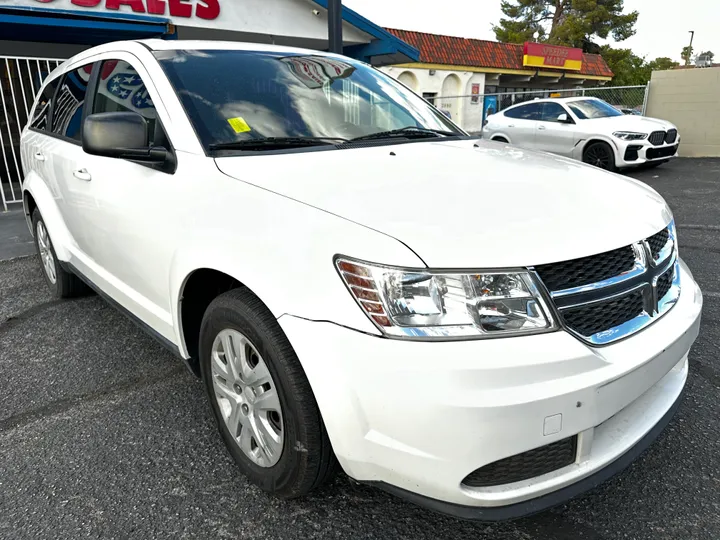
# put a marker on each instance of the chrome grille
(590, 319)
(579, 272)
(657, 138)
(631, 287)
(671, 136)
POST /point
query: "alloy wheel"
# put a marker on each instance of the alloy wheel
(247, 397)
(46, 256)
(599, 156)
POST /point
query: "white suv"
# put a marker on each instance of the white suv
(586, 129)
(482, 330)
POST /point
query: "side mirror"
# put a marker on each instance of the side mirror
(563, 118)
(121, 135)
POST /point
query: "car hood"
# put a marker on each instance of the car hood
(641, 124)
(466, 204)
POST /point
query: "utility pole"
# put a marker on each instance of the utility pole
(692, 36)
(335, 38)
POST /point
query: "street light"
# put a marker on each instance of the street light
(692, 36)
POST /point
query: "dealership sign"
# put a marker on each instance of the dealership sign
(552, 56)
(204, 9)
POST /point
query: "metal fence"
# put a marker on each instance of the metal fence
(471, 110)
(20, 81)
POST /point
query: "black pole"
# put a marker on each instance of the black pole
(335, 39)
(692, 36)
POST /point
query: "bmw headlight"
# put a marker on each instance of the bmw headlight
(425, 304)
(630, 135)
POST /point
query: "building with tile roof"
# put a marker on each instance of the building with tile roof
(451, 66)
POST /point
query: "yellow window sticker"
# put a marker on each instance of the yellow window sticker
(239, 124)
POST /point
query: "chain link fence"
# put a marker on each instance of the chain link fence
(470, 111)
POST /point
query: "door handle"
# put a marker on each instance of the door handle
(39, 156)
(82, 174)
(541, 128)
(511, 125)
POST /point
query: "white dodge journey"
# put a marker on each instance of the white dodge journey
(482, 330)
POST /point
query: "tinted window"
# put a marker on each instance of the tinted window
(40, 115)
(121, 89)
(531, 111)
(551, 111)
(68, 109)
(593, 108)
(234, 95)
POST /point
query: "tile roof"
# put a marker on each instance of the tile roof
(457, 51)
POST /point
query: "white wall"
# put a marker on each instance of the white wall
(270, 17)
(462, 111)
(690, 99)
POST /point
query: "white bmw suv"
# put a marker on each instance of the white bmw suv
(587, 129)
(483, 330)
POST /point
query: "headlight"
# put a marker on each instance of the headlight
(630, 135)
(424, 304)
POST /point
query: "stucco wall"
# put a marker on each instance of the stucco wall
(462, 111)
(690, 99)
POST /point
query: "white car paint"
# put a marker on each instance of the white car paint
(275, 222)
(572, 139)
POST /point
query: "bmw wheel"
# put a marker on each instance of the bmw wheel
(600, 155)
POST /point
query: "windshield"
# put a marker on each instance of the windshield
(232, 96)
(588, 109)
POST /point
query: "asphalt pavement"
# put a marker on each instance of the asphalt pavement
(105, 434)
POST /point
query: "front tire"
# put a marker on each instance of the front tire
(62, 284)
(600, 155)
(261, 399)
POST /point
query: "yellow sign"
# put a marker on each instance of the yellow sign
(239, 125)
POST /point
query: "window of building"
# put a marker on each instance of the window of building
(430, 96)
(69, 103)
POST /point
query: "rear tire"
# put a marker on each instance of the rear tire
(600, 155)
(279, 442)
(62, 284)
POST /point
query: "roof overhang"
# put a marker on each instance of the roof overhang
(78, 27)
(502, 71)
(383, 49)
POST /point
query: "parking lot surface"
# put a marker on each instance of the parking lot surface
(105, 434)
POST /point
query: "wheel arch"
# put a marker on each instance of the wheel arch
(197, 290)
(596, 139)
(37, 195)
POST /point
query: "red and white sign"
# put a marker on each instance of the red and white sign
(204, 9)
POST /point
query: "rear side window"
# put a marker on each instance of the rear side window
(42, 109)
(69, 103)
(531, 111)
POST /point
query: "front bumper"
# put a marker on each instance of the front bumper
(639, 152)
(420, 417)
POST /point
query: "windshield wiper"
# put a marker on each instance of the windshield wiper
(408, 132)
(269, 143)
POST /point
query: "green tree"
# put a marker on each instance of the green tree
(662, 64)
(629, 69)
(687, 53)
(564, 22)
